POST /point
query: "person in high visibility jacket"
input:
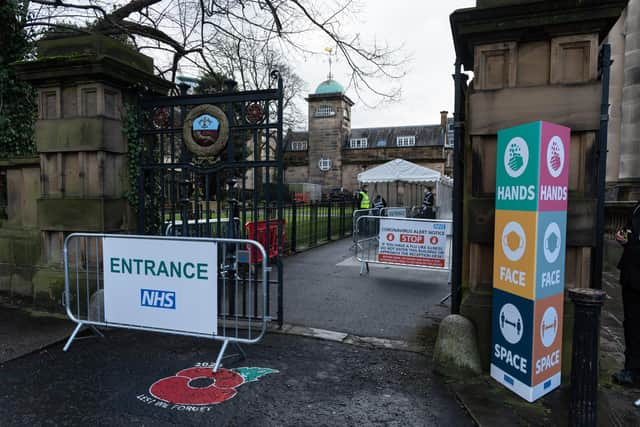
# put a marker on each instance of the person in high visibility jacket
(364, 199)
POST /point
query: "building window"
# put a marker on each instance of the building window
(358, 143)
(406, 141)
(299, 146)
(324, 164)
(110, 103)
(89, 101)
(49, 104)
(325, 111)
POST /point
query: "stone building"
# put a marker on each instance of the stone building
(531, 60)
(623, 159)
(332, 154)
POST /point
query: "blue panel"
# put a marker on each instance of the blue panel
(512, 341)
(550, 255)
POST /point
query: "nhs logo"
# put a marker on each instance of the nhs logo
(157, 298)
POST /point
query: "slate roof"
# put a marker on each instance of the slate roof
(426, 135)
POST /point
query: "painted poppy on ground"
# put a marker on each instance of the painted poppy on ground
(201, 386)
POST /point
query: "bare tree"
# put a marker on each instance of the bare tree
(185, 30)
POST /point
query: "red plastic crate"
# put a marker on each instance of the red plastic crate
(260, 230)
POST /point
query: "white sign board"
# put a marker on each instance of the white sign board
(167, 284)
(413, 242)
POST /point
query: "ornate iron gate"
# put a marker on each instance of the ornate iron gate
(212, 166)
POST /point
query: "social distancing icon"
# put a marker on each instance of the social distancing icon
(511, 323)
(549, 327)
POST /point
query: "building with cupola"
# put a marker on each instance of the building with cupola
(332, 154)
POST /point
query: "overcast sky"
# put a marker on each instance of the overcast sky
(423, 27)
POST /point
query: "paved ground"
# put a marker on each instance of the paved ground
(22, 333)
(107, 382)
(491, 404)
(323, 289)
(319, 382)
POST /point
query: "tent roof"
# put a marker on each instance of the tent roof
(401, 170)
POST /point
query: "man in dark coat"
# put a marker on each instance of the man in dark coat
(629, 266)
(428, 202)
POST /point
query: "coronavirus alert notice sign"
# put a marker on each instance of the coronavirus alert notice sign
(413, 243)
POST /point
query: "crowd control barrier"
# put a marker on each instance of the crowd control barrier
(201, 227)
(407, 242)
(394, 211)
(362, 213)
(200, 287)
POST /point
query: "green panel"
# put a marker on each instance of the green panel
(517, 168)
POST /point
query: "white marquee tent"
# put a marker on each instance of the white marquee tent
(405, 182)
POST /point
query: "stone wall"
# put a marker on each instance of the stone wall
(79, 181)
(527, 70)
(20, 239)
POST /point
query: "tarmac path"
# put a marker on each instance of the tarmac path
(323, 289)
(317, 383)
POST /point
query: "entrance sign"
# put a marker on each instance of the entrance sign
(529, 257)
(413, 243)
(170, 284)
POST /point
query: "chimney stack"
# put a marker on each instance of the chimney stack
(444, 116)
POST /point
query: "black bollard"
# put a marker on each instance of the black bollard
(583, 399)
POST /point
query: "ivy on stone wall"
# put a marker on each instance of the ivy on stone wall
(134, 150)
(137, 150)
(18, 107)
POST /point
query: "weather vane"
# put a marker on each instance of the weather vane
(329, 50)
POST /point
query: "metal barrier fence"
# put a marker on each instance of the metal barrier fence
(395, 211)
(312, 224)
(201, 227)
(234, 311)
(359, 213)
(407, 242)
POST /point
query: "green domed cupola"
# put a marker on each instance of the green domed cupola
(329, 86)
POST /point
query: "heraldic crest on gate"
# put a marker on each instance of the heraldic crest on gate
(206, 131)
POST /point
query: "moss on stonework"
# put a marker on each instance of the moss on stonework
(48, 284)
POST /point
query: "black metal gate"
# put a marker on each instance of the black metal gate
(212, 166)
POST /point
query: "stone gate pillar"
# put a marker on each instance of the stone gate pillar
(82, 83)
(532, 60)
(629, 169)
